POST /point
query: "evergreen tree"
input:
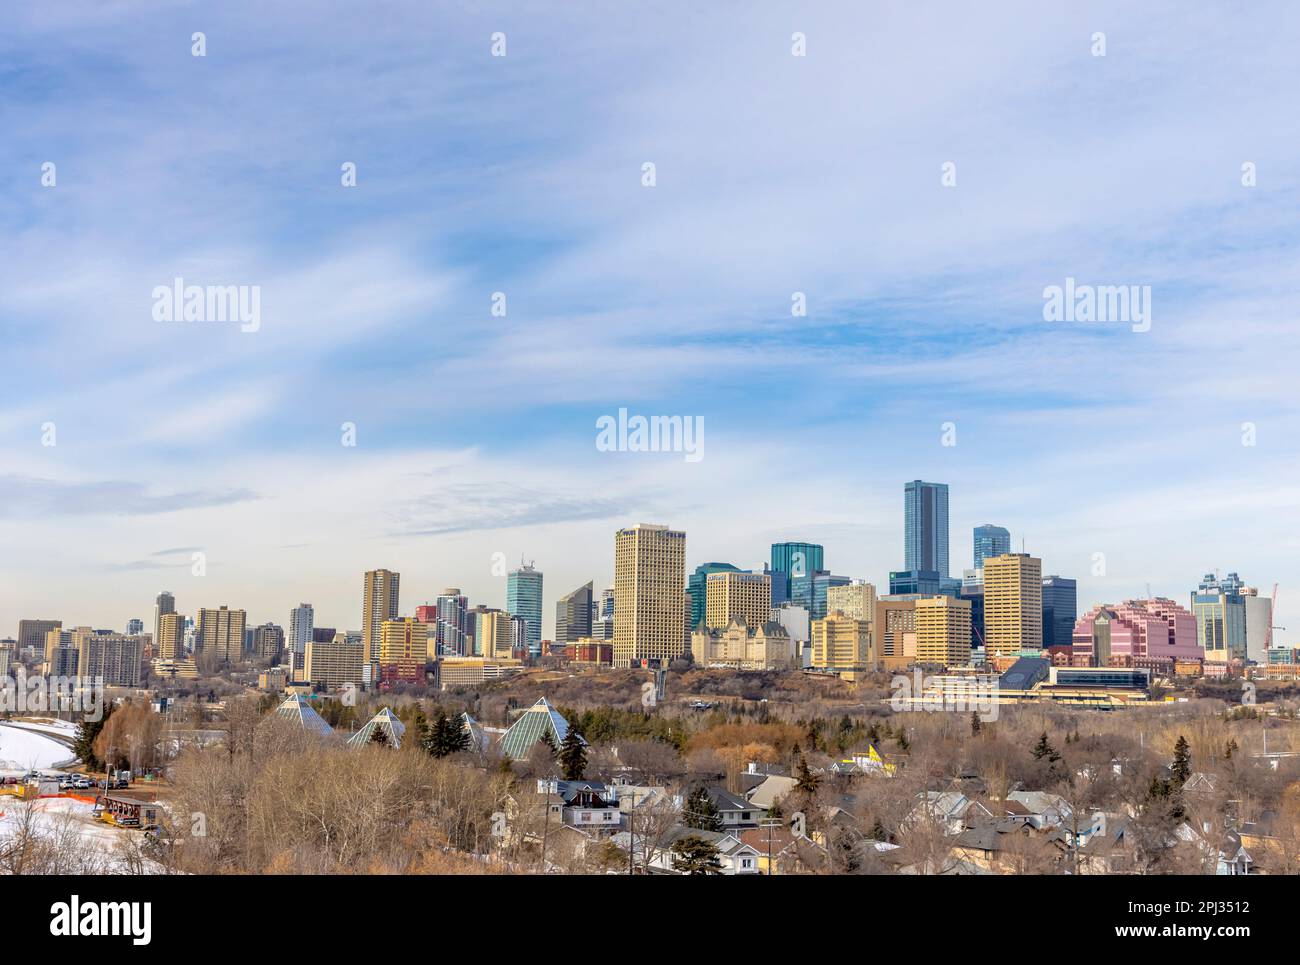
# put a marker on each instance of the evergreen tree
(974, 724)
(83, 745)
(700, 812)
(379, 736)
(696, 856)
(878, 832)
(807, 782)
(572, 756)
(1044, 749)
(1230, 749)
(1181, 769)
(549, 741)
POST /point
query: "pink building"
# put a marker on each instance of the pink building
(1136, 633)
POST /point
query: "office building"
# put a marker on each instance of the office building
(573, 614)
(856, 599)
(114, 658)
(990, 540)
(942, 631)
(449, 632)
(1220, 612)
(302, 620)
(649, 596)
(31, 633)
(134, 627)
(403, 650)
(170, 642)
(1136, 633)
(380, 593)
(163, 604)
(524, 600)
(925, 526)
(1259, 624)
(841, 645)
(1060, 610)
(697, 587)
(732, 594)
(1013, 604)
(268, 642)
(219, 633)
(790, 560)
(334, 663)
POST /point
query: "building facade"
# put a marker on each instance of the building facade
(381, 591)
(649, 595)
(943, 631)
(733, 594)
(1013, 604)
(925, 526)
(990, 540)
(1060, 610)
(524, 600)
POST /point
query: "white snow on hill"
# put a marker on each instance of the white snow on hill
(21, 748)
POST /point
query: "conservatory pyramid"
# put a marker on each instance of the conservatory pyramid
(385, 721)
(298, 709)
(539, 719)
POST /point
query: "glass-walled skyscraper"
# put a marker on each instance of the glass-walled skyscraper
(790, 561)
(696, 585)
(1060, 609)
(990, 540)
(925, 526)
(524, 599)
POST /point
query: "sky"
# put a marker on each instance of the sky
(1170, 452)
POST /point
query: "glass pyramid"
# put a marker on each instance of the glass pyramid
(539, 719)
(298, 709)
(386, 721)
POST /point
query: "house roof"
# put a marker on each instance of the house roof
(774, 788)
(724, 800)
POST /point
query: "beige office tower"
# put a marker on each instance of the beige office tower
(856, 600)
(943, 631)
(892, 630)
(649, 600)
(1013, 604)
(220, 632)
(841, 644)
(170, 644)
(731, 594)
(494, 640)
(332, 664)
(379, 604)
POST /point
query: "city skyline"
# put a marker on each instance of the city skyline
(472, 436)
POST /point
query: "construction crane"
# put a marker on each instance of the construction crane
(1272, 615)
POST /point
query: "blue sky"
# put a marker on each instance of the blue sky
(522, 174)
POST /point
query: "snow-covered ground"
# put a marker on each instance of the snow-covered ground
(83, 845)
(22, 748)
(46, 725)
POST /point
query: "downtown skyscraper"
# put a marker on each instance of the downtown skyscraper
(990, 540)
(379, 603)
(925, 526)
(524, 600)
(649, 595)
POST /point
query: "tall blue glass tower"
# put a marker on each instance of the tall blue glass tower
(791, 561)
(990, 540)
(925, 526)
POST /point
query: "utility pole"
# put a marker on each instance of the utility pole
(631, 834)
(770, 823)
